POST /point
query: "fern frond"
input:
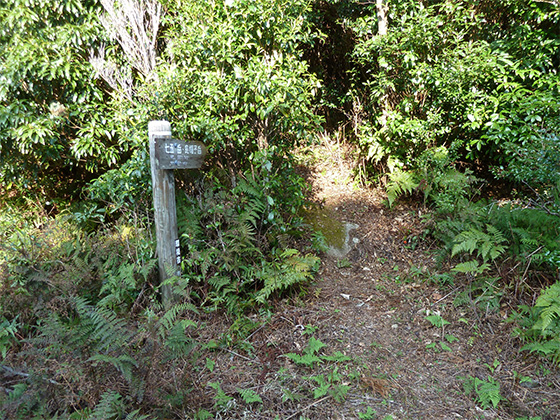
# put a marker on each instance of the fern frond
(249, 396)
(472, 267)
(549, 301)
(467, 241)
(123, 363)
(135, 415)
(109, 407)
(548, 348)
(178, 342)
(295, 269)
(169, 318)
(488, 246)
(400, 182)
(219, 282)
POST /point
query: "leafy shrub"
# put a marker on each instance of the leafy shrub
(436, 177)
(453, 75)
(233, 77)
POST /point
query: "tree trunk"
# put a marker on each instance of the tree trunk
(381, 7)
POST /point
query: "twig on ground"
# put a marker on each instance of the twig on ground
(14, 372)
(238, 355)
(307, 408)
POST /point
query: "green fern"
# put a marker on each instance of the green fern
(178, 343)
(549, 304)
(544, 333)
(472, 267)
(106, 331)
(547, 257)
(249, 396)
(170, 317)
(121, 283)
(8, 331)
(488, 246)
(400, 182)
(135, 415)
(123, 363)
(309, 355)
(487, 393)
(221, 399)
(110, 407)
(257, 202)
(294, 269)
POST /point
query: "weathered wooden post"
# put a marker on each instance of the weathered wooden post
(165, 213)
(167, 154)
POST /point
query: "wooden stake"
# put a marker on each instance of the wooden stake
(165, 212)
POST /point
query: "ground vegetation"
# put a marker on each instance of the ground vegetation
(375, 233)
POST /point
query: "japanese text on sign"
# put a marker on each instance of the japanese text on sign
(179, 154)
(178, 148)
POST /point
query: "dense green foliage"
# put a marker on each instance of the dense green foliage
(478, 78)
(54, 128)
(456, 96)
(80, 293)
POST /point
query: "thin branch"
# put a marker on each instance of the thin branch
(239, 355)
(307, 408)
(536, 203)
(14, 372)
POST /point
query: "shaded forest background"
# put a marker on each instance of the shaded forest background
(453, 104)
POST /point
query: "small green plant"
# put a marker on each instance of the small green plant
(330, 384)
(369, 414)
(309, 329)
(488, 245)
(249, 396)
(436, 346)
(521, 378)
(437, 320)
(210, 364)
(333, 383)
(400, 182)
(222, 401)
(486, 393)
(203, 414)
(309, 355)
(539, 326)
(344, 263)
(8, 331)
(493, 366)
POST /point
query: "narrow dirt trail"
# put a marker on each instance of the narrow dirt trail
(381, 293)
(371, 352)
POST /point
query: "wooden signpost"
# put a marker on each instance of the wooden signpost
(167, 154)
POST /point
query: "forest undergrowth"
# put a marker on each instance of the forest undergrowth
(374, 234)
(391, 330)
